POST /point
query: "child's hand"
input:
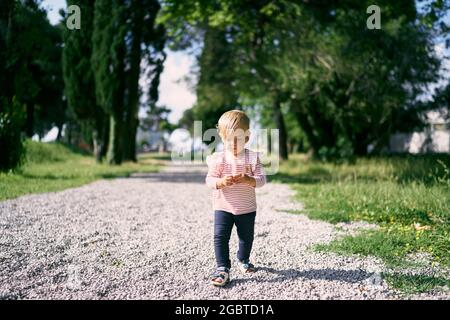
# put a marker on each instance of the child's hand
(225, 182)
(243, 178)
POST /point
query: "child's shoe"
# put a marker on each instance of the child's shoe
(221, 276)
(246, 267)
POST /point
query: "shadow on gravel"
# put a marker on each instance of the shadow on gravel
(350, 276)
(181, 177)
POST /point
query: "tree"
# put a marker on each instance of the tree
(358, 85)
(146, 46)
(108, 62)
(11, 112)
(215, 88)
(33, 60)
(124, 33)
(349, 87)
(30, 73)
(79, 79)
(157, 120)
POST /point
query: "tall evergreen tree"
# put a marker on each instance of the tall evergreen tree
(124, 37)
(145, 46)
(108, 62)
(79, 79)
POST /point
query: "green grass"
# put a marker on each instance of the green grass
(54, 166)
(411, 284)
(407, 196)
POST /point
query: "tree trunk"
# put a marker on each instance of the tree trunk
(304, 123)
(132, 130)
(105, 137)
(117, 121)
(318, 129)
(97, 142)
(60, 128)
(30, 120)
(279, 123)
(135, 56)
(115, 151)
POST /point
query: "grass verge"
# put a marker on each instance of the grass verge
(407, 196)
(54, 166)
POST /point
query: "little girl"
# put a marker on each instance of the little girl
(233, 175)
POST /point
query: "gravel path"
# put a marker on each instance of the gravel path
(150, 237)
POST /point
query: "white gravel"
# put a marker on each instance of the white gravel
(151, 237)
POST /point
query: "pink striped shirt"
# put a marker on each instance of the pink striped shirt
(238, 198)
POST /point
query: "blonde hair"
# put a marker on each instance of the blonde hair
(231, 120)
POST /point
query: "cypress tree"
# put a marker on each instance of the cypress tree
(79, 78)
(108, 62)
(125, 33)
(146, 42)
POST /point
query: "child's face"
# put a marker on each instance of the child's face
(236, 140)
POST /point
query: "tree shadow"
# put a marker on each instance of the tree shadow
(50, 176)
(180, 177)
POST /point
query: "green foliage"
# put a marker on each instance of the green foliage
(78, 75)
(348, 87)
(33, 59)
(353, 91)
(342, 150)
(108, 54)
(215, 92)
(79, 84)
(30, 78)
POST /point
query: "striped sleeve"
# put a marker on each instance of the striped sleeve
(259, 174)
(213, 171)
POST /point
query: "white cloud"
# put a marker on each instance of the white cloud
(174, 92)
(53, 7)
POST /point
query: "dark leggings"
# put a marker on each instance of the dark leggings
(223, 224)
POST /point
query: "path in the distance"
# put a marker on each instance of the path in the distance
(150, 236)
